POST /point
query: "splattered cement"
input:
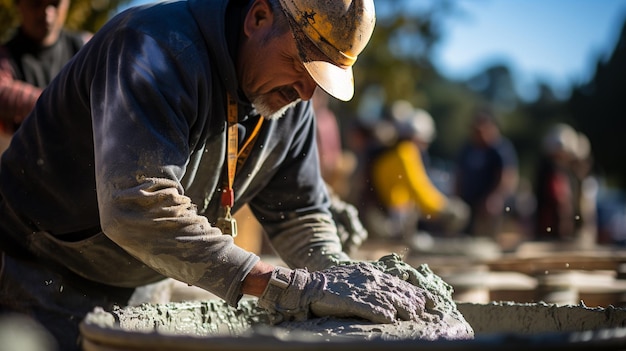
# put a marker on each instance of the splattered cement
(212, 324)
(210, 318)
(536, 318)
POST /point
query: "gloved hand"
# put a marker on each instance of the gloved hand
(455, 215)
(351, 231)
(357, 290)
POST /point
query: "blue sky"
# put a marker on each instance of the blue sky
(558, 41)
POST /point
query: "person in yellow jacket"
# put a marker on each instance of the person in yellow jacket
(401, 182)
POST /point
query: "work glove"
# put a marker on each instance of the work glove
(351, 231)
(359, 290)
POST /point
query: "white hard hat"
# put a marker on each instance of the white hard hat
(583, 147)
(561, 138)
(413, 122)
(330, 35)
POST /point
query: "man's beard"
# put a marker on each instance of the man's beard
(262, 106)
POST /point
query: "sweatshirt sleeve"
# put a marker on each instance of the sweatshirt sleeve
(294, 206)
(145, 98)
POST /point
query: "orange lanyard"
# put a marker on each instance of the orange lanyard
(235, 157)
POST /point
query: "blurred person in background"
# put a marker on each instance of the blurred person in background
(487, 175)
(32, 57)
(587, 186)
(365, 139)
(401, 183)
(564, 189)
(337, 166)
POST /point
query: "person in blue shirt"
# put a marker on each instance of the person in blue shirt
(487, 175)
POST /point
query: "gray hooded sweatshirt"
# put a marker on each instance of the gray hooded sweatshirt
(118, 171)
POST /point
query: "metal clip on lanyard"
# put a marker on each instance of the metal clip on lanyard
(227, 224)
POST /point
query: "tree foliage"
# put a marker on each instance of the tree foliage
(598, 108)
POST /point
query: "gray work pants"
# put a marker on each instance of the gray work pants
(54, 297)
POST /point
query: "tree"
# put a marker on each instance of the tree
(496, 85)
(598, 108)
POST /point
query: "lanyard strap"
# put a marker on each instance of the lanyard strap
(235, 157)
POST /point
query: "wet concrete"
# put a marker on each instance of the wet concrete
(534, 318)
(205, 320)
(215, 318)
(439, 320)
(201, 325)
(208, 323)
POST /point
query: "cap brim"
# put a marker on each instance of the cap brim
(336, 81)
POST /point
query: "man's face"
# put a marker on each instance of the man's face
(270, 71)
(42, 20)
(485, 132)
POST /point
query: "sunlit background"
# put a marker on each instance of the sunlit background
(535, 62)
(556, 41)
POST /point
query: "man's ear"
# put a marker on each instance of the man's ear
(259, 17)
